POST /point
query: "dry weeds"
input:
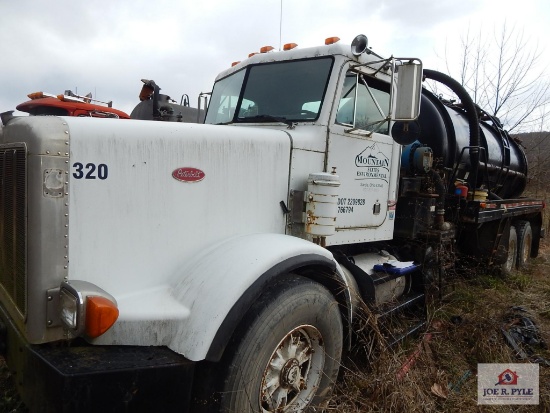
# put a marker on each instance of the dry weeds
(465, 329)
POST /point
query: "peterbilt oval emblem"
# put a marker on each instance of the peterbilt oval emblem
(187, 174)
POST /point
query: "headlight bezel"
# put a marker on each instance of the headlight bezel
(74, 297)
(71, 305)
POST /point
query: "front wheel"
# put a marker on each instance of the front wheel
(286, 354)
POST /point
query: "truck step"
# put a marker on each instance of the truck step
(401, 305)
(402, 318)
(416, 328)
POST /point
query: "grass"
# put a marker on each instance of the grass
(465, 329)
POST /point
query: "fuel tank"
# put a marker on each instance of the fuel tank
(501, 165)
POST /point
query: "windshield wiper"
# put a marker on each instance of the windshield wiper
(265, 118)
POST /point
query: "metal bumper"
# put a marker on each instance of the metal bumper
(83, 378)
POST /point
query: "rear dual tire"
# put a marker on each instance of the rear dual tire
(519, 247)
(525, 241)
(509, 265)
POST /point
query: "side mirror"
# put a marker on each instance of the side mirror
(408, 91)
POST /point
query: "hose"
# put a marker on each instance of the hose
(468, 105)
(440, 203)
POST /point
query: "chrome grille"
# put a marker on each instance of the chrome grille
(13, 243)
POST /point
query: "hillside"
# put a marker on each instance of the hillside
(537, 149)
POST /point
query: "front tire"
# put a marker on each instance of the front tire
(287, 351)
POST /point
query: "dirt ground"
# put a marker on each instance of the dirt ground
(436, 372)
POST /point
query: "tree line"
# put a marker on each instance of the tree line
(506, 77)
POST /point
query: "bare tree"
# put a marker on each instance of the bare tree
(503, 75)
(537, 150)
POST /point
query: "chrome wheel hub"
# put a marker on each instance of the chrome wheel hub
(294, 371)
(290, 373)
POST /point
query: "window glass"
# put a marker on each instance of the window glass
(364, 103)
(49, 110)
(347, 101)
(291, 90)
(281, 91)
(225, 97)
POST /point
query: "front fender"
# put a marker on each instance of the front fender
(213, 291)
(227, 279)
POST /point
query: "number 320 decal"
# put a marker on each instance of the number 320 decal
(90, 171)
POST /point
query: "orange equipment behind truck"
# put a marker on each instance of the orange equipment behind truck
(69, 104)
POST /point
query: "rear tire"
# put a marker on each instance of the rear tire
(510, 264)
(287, 351)
(525, 241)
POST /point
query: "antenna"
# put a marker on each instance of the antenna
(281, 26)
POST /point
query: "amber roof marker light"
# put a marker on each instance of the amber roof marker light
(332, 40)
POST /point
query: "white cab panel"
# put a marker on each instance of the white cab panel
(132, 225)
(367, 167)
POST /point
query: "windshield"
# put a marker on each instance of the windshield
(274, 92)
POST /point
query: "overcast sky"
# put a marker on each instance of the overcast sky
(106, 47)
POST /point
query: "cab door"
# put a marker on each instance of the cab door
(363, 154)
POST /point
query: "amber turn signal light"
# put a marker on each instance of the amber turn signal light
(101, 314)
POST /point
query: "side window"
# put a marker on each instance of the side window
(364, 103)
(224, 99)
(346, 108)
(49, 110)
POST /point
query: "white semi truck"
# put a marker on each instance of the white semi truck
(164, 266)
